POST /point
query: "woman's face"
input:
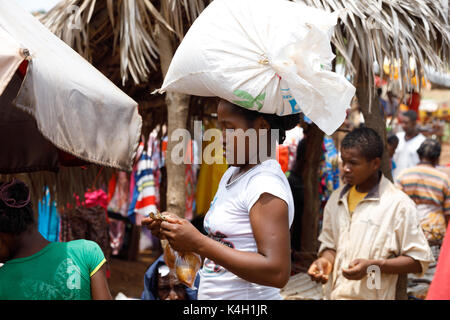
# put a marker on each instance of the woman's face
(240, 141)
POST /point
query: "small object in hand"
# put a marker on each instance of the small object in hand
(157, 216)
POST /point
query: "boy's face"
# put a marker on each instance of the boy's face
(356, 168)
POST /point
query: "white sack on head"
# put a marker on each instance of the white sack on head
(272, 56)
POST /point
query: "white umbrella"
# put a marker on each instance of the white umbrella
(74, 106)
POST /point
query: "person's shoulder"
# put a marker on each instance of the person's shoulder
(441, 174)
(269, 169)
(82, 244)
(336, 194)
(400, 134)
(395, 195)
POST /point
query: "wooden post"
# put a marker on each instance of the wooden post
(177, 112)
(310, 176)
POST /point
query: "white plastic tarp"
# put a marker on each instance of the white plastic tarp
(75, 106)
(10, 58)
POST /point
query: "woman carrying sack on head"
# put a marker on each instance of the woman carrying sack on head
(247, 250)
(268, 60)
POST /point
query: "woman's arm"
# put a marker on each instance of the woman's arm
(269, 266)
(99, 285)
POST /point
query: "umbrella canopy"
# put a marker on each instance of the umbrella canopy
(71, 103)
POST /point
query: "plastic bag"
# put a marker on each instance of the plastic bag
(273, 56)
(184, 265)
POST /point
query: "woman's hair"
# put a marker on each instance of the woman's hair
(366, 140)
(430, 149)
(16, 211)
(282, 123)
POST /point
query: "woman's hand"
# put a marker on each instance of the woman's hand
(181, 234)
(154, 225)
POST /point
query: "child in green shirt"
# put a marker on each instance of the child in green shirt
(36, 269)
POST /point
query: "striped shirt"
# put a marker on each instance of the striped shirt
(429, 188)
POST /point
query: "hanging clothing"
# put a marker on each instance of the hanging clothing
(292, 139)
(190, 182)
(144, 200)
(209, 178)
(119, 193)
(329, 170)
(48, 221)
(116, 235)
(87, 220)
(283, 157)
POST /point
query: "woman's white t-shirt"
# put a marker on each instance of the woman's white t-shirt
(228, 221)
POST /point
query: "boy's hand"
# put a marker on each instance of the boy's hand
(357, 269)
(320, 270)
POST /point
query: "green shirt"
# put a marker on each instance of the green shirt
(60, 271)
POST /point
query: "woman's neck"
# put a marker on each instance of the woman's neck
(29, 242)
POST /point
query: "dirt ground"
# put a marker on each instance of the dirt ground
(128, 276)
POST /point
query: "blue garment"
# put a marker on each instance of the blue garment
(151, 282)
(48, 221)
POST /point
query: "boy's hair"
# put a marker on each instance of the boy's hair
(429, 149)
(411, 115)
(392, 139)
(16, 211)
(366, 140)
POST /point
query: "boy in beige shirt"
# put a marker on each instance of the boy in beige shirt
(370, 232)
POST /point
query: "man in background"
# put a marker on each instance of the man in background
(409, 141)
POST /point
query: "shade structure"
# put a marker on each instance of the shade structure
(60, 99)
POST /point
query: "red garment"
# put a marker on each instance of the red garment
(414, 103)
(440, 286)
(283, 157)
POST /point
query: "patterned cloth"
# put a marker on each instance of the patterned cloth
(429, 188)
(144, 195)
(86, 223)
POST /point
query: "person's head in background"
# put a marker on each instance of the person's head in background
(392, 144)
(409, 122)
(361, 152)
(245, 148)
(429, 152)
(16, 217)
(168, 285)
